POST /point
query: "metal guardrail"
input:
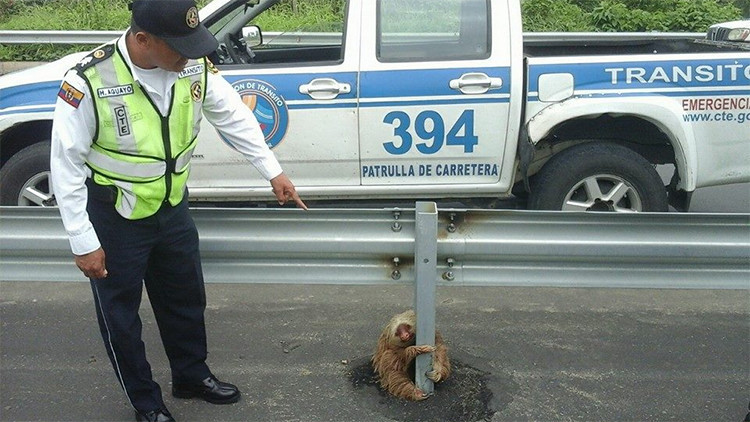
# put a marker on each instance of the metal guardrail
(56, 37)
(474, 248)
(100, 37)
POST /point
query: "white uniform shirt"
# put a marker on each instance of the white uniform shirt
(73, 130)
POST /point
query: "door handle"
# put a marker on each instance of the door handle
(475, 83)
(325, 88)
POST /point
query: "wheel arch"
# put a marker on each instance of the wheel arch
(652, 129)
(21, 135)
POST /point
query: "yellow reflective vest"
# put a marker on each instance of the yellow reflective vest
(144, 155)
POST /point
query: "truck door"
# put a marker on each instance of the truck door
(301, 83)
(434, 92)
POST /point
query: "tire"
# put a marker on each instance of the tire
(24, 179)
(598, 176)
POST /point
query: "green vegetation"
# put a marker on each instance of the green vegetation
(539, 15)
(555, 16)
(313, 15)
(629, 15)
(59, 15)
(63, 15)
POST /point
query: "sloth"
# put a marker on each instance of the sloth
(394, 358)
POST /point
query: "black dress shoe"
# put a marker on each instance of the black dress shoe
(161, 415)
(210, 390)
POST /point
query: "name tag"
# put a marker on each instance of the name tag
(114, 91)
(190, 71)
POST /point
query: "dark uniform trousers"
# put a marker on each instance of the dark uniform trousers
(161, 252)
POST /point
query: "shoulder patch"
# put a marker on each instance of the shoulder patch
(196, 91)
(95, 57)
(70, 94)
(211, 67)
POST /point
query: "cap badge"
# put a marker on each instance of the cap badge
(191, 18)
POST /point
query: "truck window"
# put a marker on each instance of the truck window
(433, 30)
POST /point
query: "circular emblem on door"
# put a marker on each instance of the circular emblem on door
(268, 106)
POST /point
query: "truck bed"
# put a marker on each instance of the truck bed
(586, 44)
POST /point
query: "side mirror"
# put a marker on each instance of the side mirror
(252, 35)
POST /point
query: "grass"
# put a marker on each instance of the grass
(320, 16)
(114, 15)
(539, 15)
(313, 15)
(65, 15)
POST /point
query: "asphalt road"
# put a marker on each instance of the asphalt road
(299, 353)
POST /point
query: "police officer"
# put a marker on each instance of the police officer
(125, 126)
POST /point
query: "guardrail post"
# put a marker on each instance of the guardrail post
(425, 261)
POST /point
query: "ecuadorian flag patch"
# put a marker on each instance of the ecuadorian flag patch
(70, 94)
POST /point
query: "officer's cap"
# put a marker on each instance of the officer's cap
(177, 23)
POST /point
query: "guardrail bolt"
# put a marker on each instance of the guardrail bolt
(396, 227)
(396, 274)
(452, 225)
(448, 275)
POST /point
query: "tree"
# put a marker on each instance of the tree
(661, 15)
(554, 16)
(743, 5)
(630, 15)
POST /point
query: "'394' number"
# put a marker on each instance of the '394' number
(461, 134)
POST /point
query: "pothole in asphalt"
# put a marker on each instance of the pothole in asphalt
(469, 394)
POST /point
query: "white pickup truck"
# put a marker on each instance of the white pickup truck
(443, 100)
(735, 31)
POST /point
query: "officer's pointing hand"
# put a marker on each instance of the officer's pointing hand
(284, 191)
(92, 264)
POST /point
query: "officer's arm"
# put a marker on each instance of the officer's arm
(224, 109)
(72, 132)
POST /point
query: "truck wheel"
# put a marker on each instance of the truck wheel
(24, 179)
(599, 177)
